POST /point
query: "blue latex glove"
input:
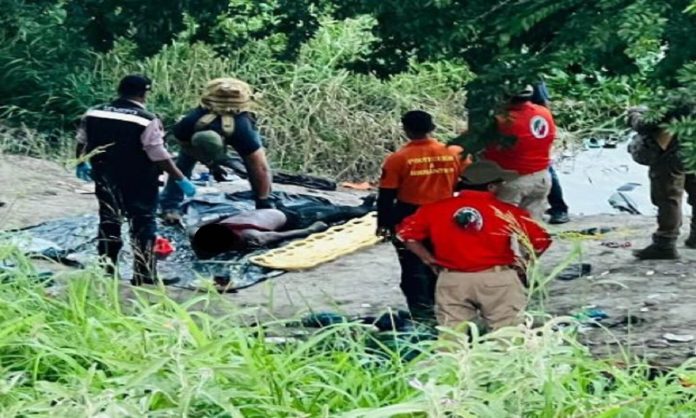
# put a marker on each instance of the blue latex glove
(187, 187)
(83, 171)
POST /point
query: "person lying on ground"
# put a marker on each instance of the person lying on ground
(125, 146)
(265, 227)
(423, 171)
(472, 237)
(224, 118)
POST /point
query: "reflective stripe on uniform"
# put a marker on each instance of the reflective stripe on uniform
(103, 114)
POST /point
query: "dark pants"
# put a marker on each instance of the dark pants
(138, 205)
(418, 284)
(558, 205)
(667, 186)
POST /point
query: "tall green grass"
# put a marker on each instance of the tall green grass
(90, 351)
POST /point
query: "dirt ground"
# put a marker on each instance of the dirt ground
(658, 297)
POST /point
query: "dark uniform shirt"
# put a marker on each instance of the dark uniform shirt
(245, 139)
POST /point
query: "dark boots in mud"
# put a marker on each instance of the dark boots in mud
(660, 249)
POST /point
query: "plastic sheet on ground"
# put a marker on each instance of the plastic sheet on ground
(72, 241)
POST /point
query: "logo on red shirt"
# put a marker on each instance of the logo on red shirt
(469, 218)
(539, 127)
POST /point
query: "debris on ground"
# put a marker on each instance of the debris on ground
(574, 271)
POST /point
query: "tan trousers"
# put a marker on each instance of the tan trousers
(497, 295)
(529, 192)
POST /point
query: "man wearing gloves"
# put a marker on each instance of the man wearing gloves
(125, 147)
(223, 118)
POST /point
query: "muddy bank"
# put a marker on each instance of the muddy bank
(660, 294)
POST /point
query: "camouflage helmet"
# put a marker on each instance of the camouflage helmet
(225, 96)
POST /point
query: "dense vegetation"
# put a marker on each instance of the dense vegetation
(89, 353)
(336, 74)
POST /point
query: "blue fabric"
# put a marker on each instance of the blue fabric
(541, 94)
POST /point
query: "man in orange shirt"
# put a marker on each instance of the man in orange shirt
(472, 239)
(421, 172)
(533, 128)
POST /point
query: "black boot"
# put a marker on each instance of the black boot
(660, 249)
(691, 241)
(109, 251)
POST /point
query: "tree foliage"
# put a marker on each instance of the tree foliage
(598, 56)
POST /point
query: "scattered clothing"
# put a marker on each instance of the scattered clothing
(575, 271)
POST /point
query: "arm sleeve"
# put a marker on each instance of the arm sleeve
(415, 227)
(184, 129)
(538, 236)
(152, 139)
(391, 173)
(246, 139)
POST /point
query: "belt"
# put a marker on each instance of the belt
(495, 269)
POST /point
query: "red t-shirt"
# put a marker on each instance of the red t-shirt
(485, 243)
(423, 171)
(535, 130)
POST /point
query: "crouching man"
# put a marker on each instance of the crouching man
(473, 236)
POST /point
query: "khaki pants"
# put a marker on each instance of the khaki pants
(529, 192)
(667, 186)
(498, 295)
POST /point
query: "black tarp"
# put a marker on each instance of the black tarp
(72, 241)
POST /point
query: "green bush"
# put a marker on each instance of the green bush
(316, 116)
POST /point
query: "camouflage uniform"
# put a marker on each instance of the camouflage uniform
(668, 182)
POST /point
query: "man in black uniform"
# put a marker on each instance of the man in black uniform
(223, 118)
(125, 146)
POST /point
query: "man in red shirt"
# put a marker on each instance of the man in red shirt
(533, 128)
(472, 236)
(421, 172)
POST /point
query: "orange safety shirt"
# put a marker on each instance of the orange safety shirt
(422, 171)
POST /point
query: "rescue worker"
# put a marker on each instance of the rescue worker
(125, 146)
(668, 182)
(472, 239)
(223, 118)
(533, 129)
(423, 171)
(558, 208)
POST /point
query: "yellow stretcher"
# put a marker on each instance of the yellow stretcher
(322, 247)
